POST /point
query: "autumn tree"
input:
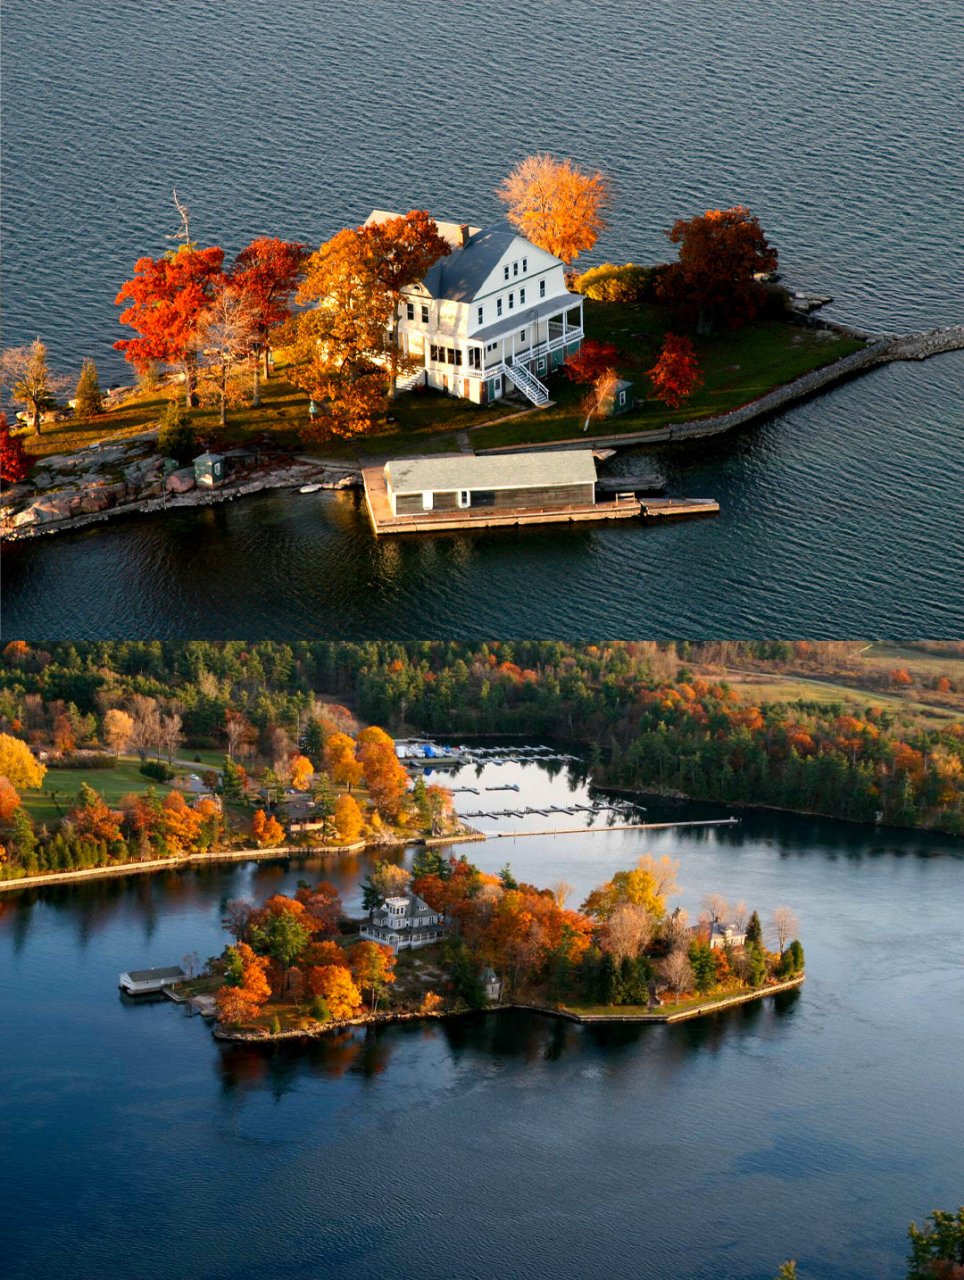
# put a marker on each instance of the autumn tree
(677, 972)
(335, 985)
(323, 908)
(266, 830)
(118, 728)
(713, 282)
(374, 968)
(88, 399)
(25, 373)
(341, 761)
(937, 1248)
(676, 374)
(403, 249)
(339, 341)
(348, 820)
(302, 771)
(647, 885)
(281, 934)
(556, 205)
(266, 273)
(246, 987)
(386, 881)
(167, 301)
(385, 775)
(18, 764)
(225, 334)
(92, 818)
(627, 931)
(15, 462)
(181, 825)
(9, 800)
(599, 400)
(590, 361)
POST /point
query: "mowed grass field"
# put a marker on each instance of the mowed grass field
(736, 367)
(112, 784)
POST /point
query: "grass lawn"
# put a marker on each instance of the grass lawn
(112, 784)
(642, 1010)
(737, 368)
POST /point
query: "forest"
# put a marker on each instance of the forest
(656, 717)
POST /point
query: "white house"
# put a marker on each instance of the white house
(403, 921)
(495, 313)
(722, 935)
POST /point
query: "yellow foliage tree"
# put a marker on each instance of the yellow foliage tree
(555, 205)
(118, 730)
(266, 830)
(348, 819)
(340, 760)
(337, 988)
(18, 765)
(646, 885)
(301, 772)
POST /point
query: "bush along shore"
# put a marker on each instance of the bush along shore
(447, 939)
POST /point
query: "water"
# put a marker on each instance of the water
(814, 1126)
(839, 126)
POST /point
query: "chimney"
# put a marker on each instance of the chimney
(463, 233)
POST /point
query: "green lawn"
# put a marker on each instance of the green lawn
(112, 784)
(736, 367)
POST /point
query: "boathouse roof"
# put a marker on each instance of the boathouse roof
(447, 473)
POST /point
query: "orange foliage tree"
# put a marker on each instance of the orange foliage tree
(301, 773)
(340, 760)
(265, 273)
(243, 1000)
(556, 205)
(337, 988)
(91, 817)
(592, 359)
(266, 830)
(385, 775)
(181, 823)
(403, 249)
(348, 819)
(676, 374)
(9, 800)
(713, 283)
(167, 300)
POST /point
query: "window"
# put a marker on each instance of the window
(622, 397)
(464, 497)
(424, 313)
(515, 268)
(475, 357)
(498, 306)
(522, 335)
(505, 274)
(525, 265)
(410, 310)
(522, 296)
(511, 301)
(480, 312)
(542, 288)
(541, 366)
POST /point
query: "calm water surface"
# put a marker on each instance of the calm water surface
(815, 1127)
(838, 125)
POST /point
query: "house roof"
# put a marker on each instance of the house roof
(450, 231)
(526, 315)
(151, 975)
(532, 470)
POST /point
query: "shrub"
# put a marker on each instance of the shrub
(176, 438)
(320, 1010)
(88, 399)
(610, 282)
(158, 770)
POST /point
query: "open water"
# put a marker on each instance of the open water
(840, 126)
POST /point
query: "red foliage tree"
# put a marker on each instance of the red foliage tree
(591, 360)
(713, 283)
(167, 300)
(15, 462)
(676, 374)
(266, 274)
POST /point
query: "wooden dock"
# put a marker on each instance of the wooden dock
(670, 508)
(616, 826)
(383, 521)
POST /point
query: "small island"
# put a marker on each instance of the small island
(447, 939)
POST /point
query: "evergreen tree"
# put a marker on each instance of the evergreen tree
(508, 879)
(704, 966)
(88, 399)
(757, 965)
(754, 930)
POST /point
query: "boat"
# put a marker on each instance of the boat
(309, 488)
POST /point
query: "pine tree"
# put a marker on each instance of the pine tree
(88, 399)
(754, 930)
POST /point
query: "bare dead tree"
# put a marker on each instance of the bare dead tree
(740, 915)
(237, 918)
(183, 233)
(717, 907)
(784, 924)
(628, 931)
(561, 891)
(677, 972)
(676, 928)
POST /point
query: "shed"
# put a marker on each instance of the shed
(622, 398)
(141, 982)
(491, 986)
(461, 481)
(209, 470)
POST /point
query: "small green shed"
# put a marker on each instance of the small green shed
(622, 398)
(209, 470)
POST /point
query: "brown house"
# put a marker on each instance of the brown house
(464, 482)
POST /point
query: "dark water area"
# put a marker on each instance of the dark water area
(814, 1126)
(839, 126)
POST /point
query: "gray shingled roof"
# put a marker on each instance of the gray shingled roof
(524, 315)
(462, 274)
(447, 473)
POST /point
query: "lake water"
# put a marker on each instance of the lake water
(812, 1126)
(838, 125)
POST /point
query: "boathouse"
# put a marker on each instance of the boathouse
(143, 982)
(466, 482)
